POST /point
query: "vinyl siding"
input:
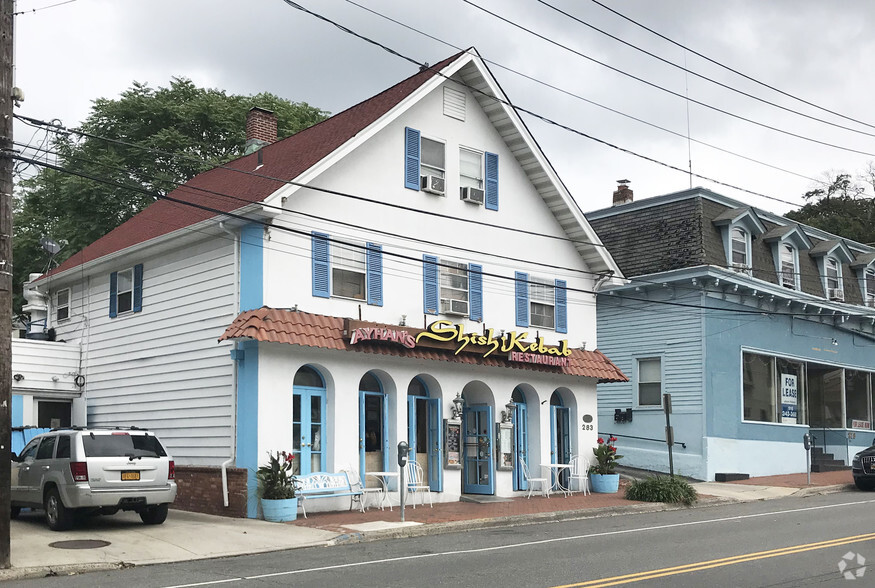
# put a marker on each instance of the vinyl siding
(163, 368)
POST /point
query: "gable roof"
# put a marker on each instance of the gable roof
(293, 327)
(238, 185)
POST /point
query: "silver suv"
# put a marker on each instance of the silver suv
(93, 471)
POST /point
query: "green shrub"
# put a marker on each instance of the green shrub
(662, 489)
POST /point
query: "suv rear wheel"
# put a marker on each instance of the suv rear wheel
(154, 515)
(58, 516)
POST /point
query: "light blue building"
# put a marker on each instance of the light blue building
(761, 330)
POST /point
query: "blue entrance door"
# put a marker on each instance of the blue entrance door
(308, 429)
(435, 456)
(560, 442)
(373, 433)
(520, 446)
(424, 438)
(479, 467)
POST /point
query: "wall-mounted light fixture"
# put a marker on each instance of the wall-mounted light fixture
(18, 377)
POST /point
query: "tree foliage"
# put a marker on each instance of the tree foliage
(842, 206)
(185, 130)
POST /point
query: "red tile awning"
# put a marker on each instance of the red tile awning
(277, 325)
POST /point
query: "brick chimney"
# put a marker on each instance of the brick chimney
(261, 129)
(623, 194)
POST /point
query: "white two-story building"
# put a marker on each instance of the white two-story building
(333, 293)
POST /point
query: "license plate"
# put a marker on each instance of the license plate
(130, 476)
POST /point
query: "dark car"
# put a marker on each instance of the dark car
(863, 468)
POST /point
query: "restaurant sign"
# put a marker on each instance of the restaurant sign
(453, 337)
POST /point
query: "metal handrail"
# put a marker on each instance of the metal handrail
(682, 444)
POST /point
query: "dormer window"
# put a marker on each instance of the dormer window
(740, 249)
(789, 267)
(833, 276)
(870, 287)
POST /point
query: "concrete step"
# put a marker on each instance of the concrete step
(832, 467)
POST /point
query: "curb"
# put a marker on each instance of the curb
(521, 520)
(35, 572)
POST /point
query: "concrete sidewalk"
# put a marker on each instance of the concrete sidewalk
(122, 540)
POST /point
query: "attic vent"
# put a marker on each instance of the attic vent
(454, 103)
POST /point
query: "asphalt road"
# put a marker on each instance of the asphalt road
(786, 542)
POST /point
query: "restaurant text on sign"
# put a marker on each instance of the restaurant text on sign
(380, 334)
(445, 331)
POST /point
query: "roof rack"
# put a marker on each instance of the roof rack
(99, 428)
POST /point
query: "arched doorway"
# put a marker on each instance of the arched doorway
(424, 432)
(478, 465)
(373, 427)
(308, 421)
(521, 438)
(560, 435)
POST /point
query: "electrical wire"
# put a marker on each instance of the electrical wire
(735, 71)
(42, 8)
(658, 87)
(698, 75)
(219, 212)
(543, 118)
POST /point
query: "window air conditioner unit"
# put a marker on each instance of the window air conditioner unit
(450, 306)
(433, 184)
(473, 195)
(835, 294)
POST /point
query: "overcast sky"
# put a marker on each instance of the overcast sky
(70, 54)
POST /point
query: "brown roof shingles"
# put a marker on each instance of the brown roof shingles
(275, 325)
(227, 189)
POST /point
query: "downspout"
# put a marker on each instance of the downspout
(233, 449)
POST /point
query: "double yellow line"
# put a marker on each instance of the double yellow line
(716, 563)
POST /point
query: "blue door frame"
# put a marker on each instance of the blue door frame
(560, 445)
(308, 429)
(520, 445)
(433, 439)
(478, 474)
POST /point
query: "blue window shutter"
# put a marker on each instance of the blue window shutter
(375, 274)
(321, 271)
(491, 181)
(561, 296)
(475, 288)
(138, 287)
(522, 299)
(430, 298)
(411, 158)
(113, 294)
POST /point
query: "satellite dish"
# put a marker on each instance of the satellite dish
(49, 245)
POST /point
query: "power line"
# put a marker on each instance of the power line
(698, 75)
(518, 109)
(219, 212)
(42, 8)
(726, 67)
(658, 87)
(588, 101)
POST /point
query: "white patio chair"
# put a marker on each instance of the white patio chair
(368, 494)
(530, 481)
(416, 484)
(579, 472)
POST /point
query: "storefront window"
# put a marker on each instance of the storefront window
(857, 400)
(759, 388)
(825, 396)
(791, 378)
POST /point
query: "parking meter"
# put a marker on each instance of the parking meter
(403, 451)
(806, 441)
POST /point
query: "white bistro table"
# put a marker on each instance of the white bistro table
(384, 477)
(555, 469)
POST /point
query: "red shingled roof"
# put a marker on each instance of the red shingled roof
(283, 160)
(274, 325)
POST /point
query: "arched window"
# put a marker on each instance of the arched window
(308, 421)
(370, 383)
(739, 253)
(789, 271)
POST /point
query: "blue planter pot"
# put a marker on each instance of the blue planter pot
(280, 511)
(605, 483)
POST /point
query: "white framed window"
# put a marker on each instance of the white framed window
(739, 249)
(834, 290)
(789, 267)
(649, 370)
(542, 303)
(454, 288)
(869, 281)
(348, 271)
(470, 168)
(432, 158)
(125, 292)
(62, 304)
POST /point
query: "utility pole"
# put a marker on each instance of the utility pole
(6, 10)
